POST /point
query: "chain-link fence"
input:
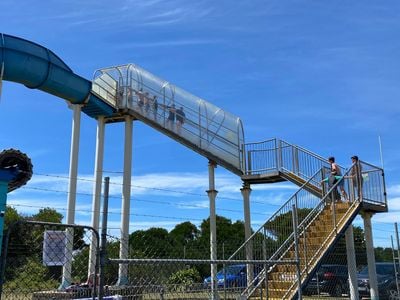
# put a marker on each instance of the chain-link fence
(53, 261)
(49, 261)
(160, 279)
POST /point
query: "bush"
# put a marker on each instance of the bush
(183, 279)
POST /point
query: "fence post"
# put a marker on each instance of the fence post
(334, 206)
(103, 250)
(305, 248)
(398, 258)
(4, 257)
(265, 264)
(296, 248)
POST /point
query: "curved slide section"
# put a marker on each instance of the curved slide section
(37, 67)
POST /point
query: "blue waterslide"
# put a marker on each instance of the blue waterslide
(37, 67)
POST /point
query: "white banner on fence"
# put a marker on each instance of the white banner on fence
(54, 247)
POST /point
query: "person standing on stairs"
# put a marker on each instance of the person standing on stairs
(336, 172)
(356, 176)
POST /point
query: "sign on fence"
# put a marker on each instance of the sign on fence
(54, 248)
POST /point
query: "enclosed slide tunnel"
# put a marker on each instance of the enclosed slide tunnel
(37, 67)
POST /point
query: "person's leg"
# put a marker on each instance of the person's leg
(344, 194)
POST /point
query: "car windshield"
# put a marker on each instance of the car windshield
(381, 269)
(231, 270)
(385, 269)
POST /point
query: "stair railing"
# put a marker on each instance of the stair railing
(309, 261)
(276, 155)
(373, 186)
(299, 161)
(268, 239)
(306, 218)
(294, 159)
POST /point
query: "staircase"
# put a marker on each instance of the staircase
(295, 239)
(314, 240)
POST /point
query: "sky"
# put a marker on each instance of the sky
(320, 74)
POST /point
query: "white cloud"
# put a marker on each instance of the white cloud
(393, 190)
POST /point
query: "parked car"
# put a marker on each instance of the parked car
(386, 278)
(230, 277)
(331, 279)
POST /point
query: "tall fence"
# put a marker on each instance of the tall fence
(48, 261)
(26, 276)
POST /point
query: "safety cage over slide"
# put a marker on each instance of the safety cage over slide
(192, 120)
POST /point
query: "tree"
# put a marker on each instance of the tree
(151, 243)
(48, 215)
(184, 232)
(11, 216)
(281, 227)
(230, 236)
(383, 254)
(184, 238)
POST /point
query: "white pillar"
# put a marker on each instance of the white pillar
(73, 177)
(373, 283)
(126, 198)
(98, 175)
(351, 263)
(212, 194)
(246, 190)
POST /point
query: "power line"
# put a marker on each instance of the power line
(143, 200)
(150, 188)
(115, 213)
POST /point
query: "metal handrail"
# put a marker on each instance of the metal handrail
(256, 281)
(272, 217)
(277, 162)
(375, 186)
(286, 245)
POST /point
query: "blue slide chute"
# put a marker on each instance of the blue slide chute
(37, 67)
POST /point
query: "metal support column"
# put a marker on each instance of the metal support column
(126, 197)
(212, 194)
(246, 190)
(351, 263)
(98, 175)
(73, 177)
(103, 246)
(370, 255)
(3, 204)
(396, 258)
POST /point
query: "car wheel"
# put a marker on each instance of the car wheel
(392, 294)
(337, 291)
